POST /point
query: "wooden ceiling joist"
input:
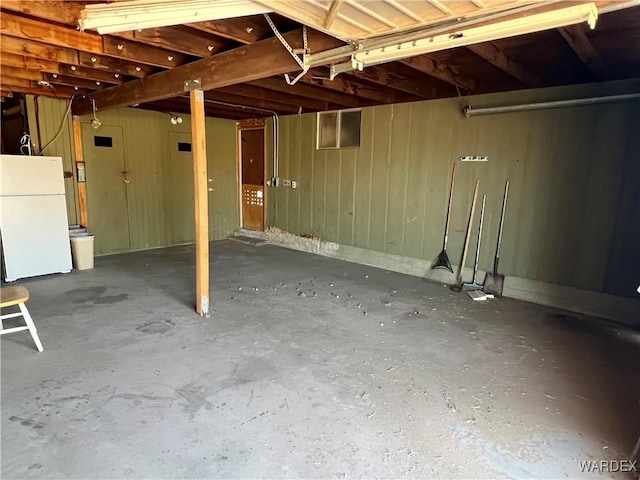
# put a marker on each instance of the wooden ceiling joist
(21, 73)
(140, 53)
(302, 90)
(56, 79)
(254, 90)
(29, 63)
(32, 88)
(113, 65)
(245, 30)
(347, 85)
(90, 74)
(390, 77)
(430, 66)
(41, 31)
(60, 11)
(232, 98)
(179, 39)
(30, 48)
(576, 38)
(243, 64)
(498, 58)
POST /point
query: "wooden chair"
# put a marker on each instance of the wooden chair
(18, 295)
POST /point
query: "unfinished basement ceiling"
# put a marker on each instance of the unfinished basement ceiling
(42, 52)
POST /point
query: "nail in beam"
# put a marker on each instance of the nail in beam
(199, 151)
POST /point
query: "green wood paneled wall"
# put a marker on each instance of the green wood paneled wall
(572, 215)
(147, 151)
(50, 115)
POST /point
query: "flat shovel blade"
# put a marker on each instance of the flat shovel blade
(493, 284)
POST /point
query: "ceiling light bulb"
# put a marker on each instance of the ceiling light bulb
(95, 123)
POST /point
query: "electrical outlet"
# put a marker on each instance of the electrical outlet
(286, 182)
(294, 184)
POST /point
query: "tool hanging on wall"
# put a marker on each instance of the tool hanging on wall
(458, 285)
(442, 261)
(494, 282)
(475, 285)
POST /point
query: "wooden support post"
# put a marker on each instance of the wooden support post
(82, 185)
(199, 149)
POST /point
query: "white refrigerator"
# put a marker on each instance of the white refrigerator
(33, 217)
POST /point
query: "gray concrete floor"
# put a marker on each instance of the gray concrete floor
(290, 378)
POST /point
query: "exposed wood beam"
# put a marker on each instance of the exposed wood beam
(79, 158)
(31, 87)
(29, 48)
(90, 74)
(231, 98)
(217, 113)
(29, 29)
(61, 11)
(576, 38)
(496, 57)
(254, 90)
(308, 91)
(21, 73)
(264, 98)
(244, 30)
(41, 31)
(390, 78)
(332, 13)
(201, 193)
(250, 62)
(35, 53)
(114, 65)
(180, 39)
(137, 52)
(347, 85)
(181, 104)
(430, 66)
(29, 63)
(57, 79)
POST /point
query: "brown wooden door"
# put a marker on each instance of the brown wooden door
(108, 183)
(252, 178)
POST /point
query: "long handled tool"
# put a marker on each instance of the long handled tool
(443, 259)
(458, 285)
(494, 282)
(475, 285)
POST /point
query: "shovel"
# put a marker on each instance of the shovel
(443, 259)
(475, 285)
(458, 285)
(494, 282)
